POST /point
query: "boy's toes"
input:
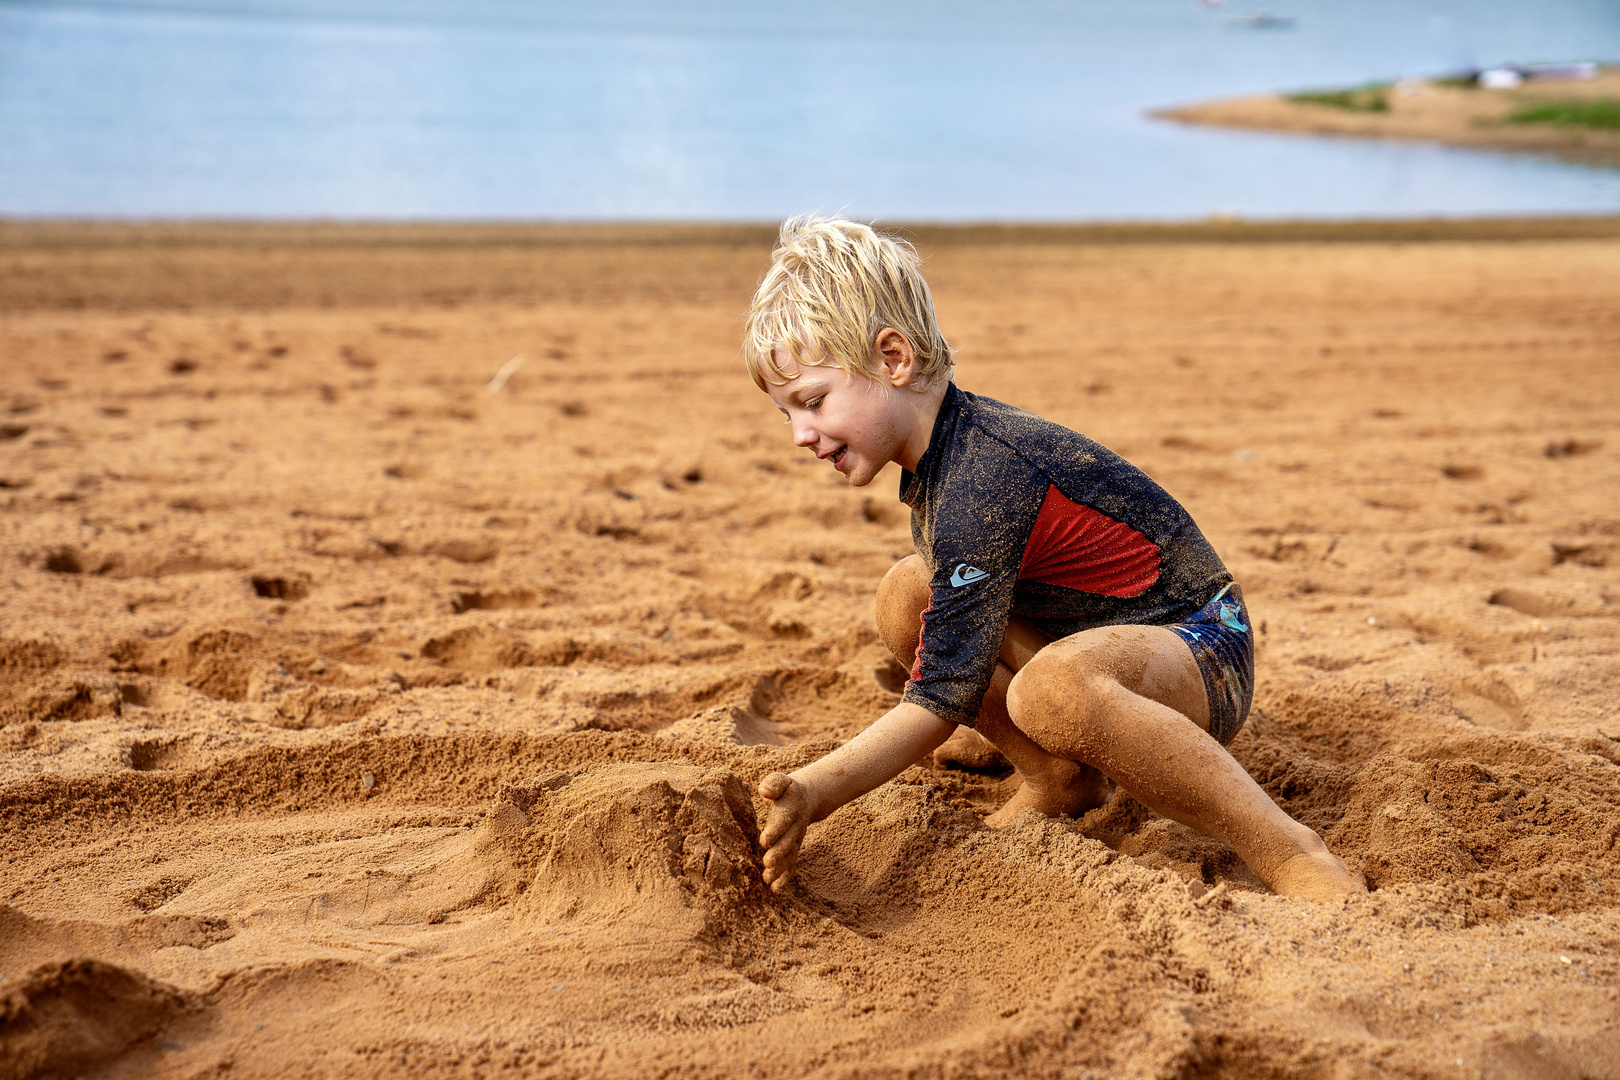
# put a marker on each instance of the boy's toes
(1070, 791)
(1316, 875)
(1023, 799)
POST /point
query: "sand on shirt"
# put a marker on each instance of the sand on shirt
(356, 720)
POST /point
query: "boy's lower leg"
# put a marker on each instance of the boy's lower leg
(1074, 713)
(1073, 702)
(1052, 785)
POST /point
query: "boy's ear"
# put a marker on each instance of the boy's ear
(896, 357)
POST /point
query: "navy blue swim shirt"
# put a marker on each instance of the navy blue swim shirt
(1016, 515)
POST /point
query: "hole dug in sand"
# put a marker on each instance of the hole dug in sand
(280, 586)
(481, 649)
(492, 600)
(146, 755)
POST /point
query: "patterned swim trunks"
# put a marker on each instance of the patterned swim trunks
(1222, 642)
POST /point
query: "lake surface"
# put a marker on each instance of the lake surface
(627, 109)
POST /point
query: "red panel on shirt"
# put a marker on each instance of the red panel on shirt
(922, 632)
(1080, 548)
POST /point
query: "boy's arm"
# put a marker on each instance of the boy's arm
(897, 740)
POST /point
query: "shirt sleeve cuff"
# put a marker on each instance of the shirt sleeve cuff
(944, 710)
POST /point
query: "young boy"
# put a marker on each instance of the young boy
(1062, 603)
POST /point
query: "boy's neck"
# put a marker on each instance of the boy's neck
(924, 410)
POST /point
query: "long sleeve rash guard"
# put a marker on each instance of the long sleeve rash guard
(1016, 515)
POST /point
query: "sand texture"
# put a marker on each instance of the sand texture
(1433, 112)
(358, 721)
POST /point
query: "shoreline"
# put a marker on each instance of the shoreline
(68, 233)
(1432, 111)
(184, 266)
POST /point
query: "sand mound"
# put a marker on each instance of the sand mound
(66, 1018)
(1516, 836)
(667, 847)
(32, 686)
(736, 725)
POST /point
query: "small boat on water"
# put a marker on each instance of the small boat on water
(1263, 20)
(1509, 76)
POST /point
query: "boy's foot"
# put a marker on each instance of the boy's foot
(1315, 875)
(1067, 789)
(970, 750)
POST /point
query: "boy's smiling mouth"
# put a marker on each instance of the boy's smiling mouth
(838, 454)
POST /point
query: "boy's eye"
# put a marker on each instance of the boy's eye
(813, 403)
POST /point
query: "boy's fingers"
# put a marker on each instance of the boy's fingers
(779, 825)
(770, 834)
(776, 874)
(779, 860)
(775, 785)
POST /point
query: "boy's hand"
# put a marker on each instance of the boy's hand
(900, 737)
(791, 813)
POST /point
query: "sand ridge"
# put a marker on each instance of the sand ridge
(354, 719)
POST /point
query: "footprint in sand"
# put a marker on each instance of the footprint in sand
(279, 587)
(492, 600)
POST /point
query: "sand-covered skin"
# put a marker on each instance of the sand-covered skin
(1429, 111)
(355, 720)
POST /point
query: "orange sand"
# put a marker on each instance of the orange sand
(1433, 112)
(356, 721)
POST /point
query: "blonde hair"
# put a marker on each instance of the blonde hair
(832, 287)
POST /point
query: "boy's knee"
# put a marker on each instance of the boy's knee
(902, 597)
(1060, 699)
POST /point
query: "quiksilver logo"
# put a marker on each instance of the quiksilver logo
(965, 574)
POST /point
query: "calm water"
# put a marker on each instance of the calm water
(744, 109)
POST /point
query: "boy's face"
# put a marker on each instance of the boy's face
(858, 425)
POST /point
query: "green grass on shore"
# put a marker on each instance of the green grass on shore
(1372, 98)
(1592, 113)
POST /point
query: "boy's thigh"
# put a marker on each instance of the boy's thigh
(1152, 661)
(902, 597)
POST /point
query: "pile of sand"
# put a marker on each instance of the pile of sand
(357, 720)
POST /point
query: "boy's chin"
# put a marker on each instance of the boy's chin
(859, 478)
(863, 473)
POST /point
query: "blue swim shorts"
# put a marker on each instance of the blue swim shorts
(1222, 642)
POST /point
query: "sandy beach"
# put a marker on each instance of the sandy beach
(1432, 111)
(359, 718)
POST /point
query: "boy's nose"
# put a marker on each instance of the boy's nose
(804, 435)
